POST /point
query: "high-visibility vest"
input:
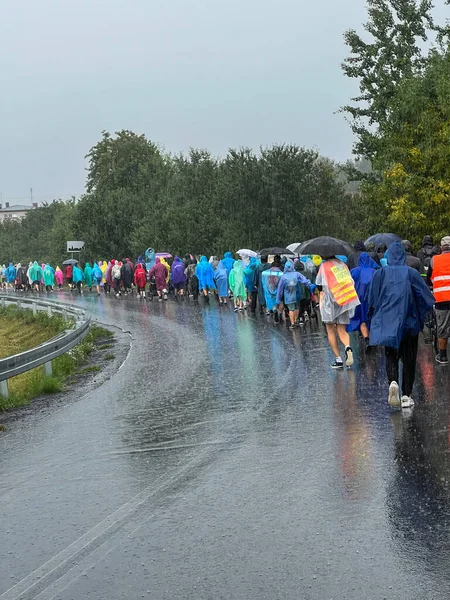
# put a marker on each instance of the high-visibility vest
(441, 277)
(339, 282)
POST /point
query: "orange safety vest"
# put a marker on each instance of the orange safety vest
(339, 282)
(441, 277)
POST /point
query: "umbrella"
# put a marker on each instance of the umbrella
(247, 252)
(274, 250)
(163, 255)
(325, 247)
(70, 261)
(294, 247)
(383, 238)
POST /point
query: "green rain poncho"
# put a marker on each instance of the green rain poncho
(49, 275)
(88, 275)
(36, 272)
(236, 280)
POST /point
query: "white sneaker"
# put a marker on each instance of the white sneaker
(349, 360)
(407, 402)
(394, 397)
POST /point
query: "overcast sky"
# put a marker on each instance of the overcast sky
(202, 73)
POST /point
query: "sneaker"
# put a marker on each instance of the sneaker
(236, 309)
(159, 299)
(441, 358)
(267, 313)
(291, 326)
(407, 402)
(276, 317)
(338, 364)
(349, 357)
(306, 316)
(394, 397)
(165, 296)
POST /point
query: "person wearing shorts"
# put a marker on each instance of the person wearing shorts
(338, 300)
(439, 276)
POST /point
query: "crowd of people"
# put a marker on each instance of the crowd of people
(385, 293)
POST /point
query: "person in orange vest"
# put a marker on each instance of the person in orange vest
(338, 300)
(439, 275)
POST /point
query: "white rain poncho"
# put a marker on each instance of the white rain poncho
(338, 290)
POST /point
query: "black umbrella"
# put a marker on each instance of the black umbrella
(70, 261)
(325, 247)
(383, 238)
(274, 250)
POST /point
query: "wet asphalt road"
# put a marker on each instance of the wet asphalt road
(226, 460)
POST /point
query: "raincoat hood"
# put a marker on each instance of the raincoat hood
(203, 259)
(427, 241)
(359, 246)
(396, 254)
(288, 267)
(158, 260)
(227, 255)
(237, 266)
(366, 262)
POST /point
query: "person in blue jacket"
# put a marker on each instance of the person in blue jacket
(10, 273)
(362, 276)
(221, 280)
(77, 278)
(399, 301)
(289, 292)
(228, 262)
(251, 282)
(205, 276)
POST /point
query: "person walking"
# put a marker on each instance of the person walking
(439, 276)
(338, 300)
(127, 275)
(21, 278)
(427, 251)
(116, 277)
(237, 285)
(250, 283)
(178, 278)
(228, 262)
(191, 279)
(159, 272)
(68, 273)
(411, 260)
(77, 278)
(205, 276)
(270, 279)
(353, 259)
(362, 276)
(10, 274)
(35, 276)
(59, 278)
(97, 276)
(289, 293)
(49, 278)
(263, 266)
(140, 279)
(221, 281)
(88, 279)
(399, 301)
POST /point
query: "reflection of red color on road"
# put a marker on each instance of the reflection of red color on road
(355, 461)
(426, 366)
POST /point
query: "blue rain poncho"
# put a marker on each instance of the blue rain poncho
(77, 274)
(236, 280)
(228, 262)
(250, 275)
(150, 258)
(221, 279)
(289, 290)
(362, 276)
(400, 300)
(205, 275)
(271, 279)
(10, 273)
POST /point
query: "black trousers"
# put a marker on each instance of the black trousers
(407, 353)
(253, 299)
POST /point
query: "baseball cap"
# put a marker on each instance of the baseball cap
(445, 240)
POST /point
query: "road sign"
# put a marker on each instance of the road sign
(75, 246)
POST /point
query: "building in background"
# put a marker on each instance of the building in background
(15, 212)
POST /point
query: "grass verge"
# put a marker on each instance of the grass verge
(21, 331)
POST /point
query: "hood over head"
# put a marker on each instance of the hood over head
(227, 255)
(276, 261)
(366, 262)
(359, 246)
(288, 267)
(158, 260)
(427, 241)
(396, 254)
(407, 246)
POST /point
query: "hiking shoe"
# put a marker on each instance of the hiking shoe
(236, 309)
(394, 397)
(407, 401)
(441, 359)
(349, 360)
(338, 364)
(306, 316)
(291, 326)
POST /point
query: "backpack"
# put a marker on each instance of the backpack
(428, 257)
(116, 272)
(97, 272)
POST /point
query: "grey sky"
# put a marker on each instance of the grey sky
(201, 73)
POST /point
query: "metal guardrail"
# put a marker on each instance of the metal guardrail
(46, 352)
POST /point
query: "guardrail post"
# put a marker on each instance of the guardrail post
(34, 309)
(49, 311)
(19, 304)
(4, 388)
(48, 369)
(3, 303)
